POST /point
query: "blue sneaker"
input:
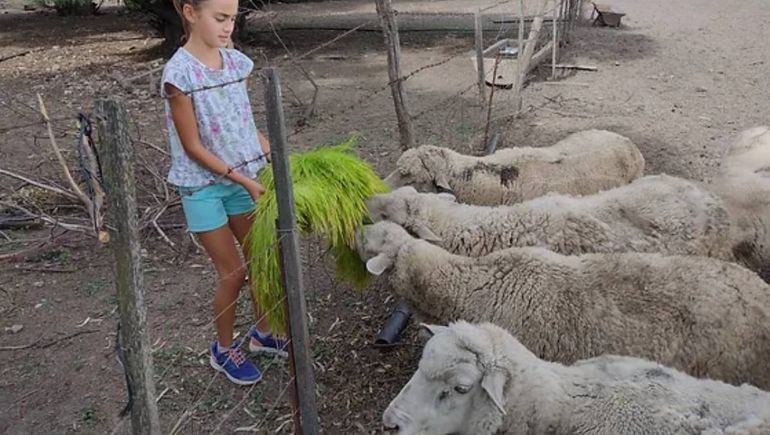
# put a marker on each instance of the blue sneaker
(233, 363)
(267, 344)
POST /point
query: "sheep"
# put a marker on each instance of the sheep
(583, 163)
(652, 214)
(477, 379)
(701, 315)
(743, 184)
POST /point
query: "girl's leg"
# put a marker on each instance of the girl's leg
(240, 225)
(221, 247)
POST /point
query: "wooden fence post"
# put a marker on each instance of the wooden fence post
(479, 33)
(290, 258)
(390, 31)
(117, 157)
(554, 33)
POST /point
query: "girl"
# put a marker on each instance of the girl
(216, 153)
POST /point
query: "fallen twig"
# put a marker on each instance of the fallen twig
(82, 196)
(46, 270)
(160, 396)
(153, 146)
(577, 67)
(12, 255)
(50, 343)
(159, 230)
(567, 84)
(13, 56)
(195, 242)
(54, 189)
(50, 220)
(19, 222)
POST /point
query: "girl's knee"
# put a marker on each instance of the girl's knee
(234, 278)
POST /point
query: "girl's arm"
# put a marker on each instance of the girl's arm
(265, 146)
(183, 114)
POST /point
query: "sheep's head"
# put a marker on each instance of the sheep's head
(401, 206)
(749, 155)
(378, 245)
(458, 387)
(424, 167)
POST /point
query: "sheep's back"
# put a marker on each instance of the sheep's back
(653, 214)
(581, 164)
(703, 316)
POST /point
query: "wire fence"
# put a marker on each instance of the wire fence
(331, 95)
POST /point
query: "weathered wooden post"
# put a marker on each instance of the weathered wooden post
(117, 157)
(390, 31)
(302, 363)
(479, 33)
(555, 20)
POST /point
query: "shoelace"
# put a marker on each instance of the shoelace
(236, 356)
(272, 341)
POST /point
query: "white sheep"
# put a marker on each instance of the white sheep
(583, 163)
(652, 214)
(479, 380)
(701, 315)
(743, 183)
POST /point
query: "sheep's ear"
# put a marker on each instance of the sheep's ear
(426, 234)
(379, 264)
(447, 196)
(433, 329)
(493, 384)
(442, 183)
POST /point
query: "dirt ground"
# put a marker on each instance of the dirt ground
(679, 78)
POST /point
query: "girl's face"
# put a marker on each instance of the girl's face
(213, 21)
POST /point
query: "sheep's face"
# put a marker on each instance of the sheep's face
(391, 206)
(424, 167)
(403, 206)
(378, 245)
(449, 393)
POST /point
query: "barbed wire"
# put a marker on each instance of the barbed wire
(356, 104)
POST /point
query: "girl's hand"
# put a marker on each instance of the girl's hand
(255, 189)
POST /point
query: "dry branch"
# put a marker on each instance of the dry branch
(48, 219)
(93, 207)
(54, 189)
(13, 56)
(82, 196)
(48, 344)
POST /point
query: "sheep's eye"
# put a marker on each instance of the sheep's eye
(462, 389)
(443, 395)
(383, 216)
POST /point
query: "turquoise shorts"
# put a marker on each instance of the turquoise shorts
(207, 208)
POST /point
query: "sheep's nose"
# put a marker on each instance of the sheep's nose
(390, 429)
(389, 422)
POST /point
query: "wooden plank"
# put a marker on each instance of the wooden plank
(527, 55)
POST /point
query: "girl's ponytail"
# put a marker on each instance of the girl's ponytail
(179, 5)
